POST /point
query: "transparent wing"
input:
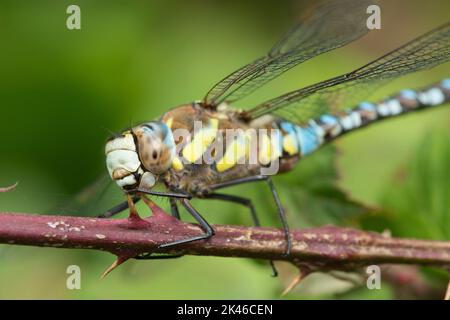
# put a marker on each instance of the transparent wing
(327, 25)
(93, 200)
(425, 52)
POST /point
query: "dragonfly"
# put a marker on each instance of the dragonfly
(188, 150)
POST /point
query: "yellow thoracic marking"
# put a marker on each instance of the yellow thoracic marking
(290, 144)
(195, 149)
(269, 148)
(276, 151)
(265, 148)
(169, 122)
(234, 152)
(177, 164)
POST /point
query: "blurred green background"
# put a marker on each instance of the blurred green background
(62, 92)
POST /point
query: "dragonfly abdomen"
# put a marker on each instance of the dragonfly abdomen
(305, 139)
(286, 144)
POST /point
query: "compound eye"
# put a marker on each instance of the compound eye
(155, 150)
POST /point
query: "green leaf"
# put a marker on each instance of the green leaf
(417, 200)
(311, 196)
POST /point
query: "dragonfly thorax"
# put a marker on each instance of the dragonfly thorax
(138, 156)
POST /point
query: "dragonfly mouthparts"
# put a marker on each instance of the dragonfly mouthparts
(122, 160)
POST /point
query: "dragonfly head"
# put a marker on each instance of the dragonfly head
(138, 156)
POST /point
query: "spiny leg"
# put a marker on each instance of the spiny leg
(282, 216)
(209, 232)
(118, 209)
(175, 194)
(245, 202)
(236, 199)
(174, 208)
(151, 256)
(155, 255)
(275, 196)
(124, 205)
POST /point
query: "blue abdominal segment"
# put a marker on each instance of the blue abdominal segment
(308, 139)
(446, 83)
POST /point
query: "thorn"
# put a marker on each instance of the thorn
(386, 233)
(356, 281)
(158, 213)
(10, 188)
(153, 207)
(447, 293)
(301, 275)
(114, 265)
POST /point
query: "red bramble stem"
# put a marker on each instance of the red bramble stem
(315, 249)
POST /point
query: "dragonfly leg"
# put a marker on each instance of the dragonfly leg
(174, 208)
(236, 199)
(124, 205)
(209, 232)
(280, 210)
(118, 208)
(238, 182)
(159, 256)
(175, 194)
(152, 256)
(249, 204)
